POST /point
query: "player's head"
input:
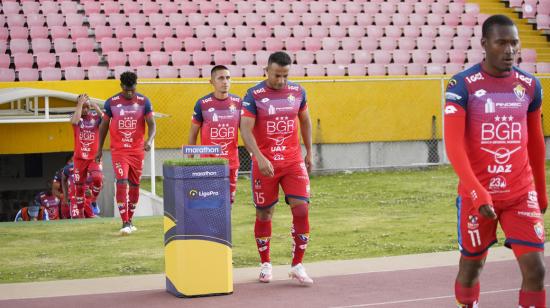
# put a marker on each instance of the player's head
(33, 210)
(128, 82)
(500, 40)
(85, 106)
(220, 78)
(278, 66)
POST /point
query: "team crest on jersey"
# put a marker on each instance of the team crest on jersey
(257, 184)
(291, 99)
(519, 91)
(539, 230)
(473, 222)
(232, 108)
(451, 84)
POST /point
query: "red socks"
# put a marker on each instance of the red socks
(467, 297)
(262, 232)
(300, 232)
(532, 299)
(133, 198)
(121, 200)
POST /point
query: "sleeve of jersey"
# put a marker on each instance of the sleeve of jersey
(148, 110)
(537, 97)
(454, 129)
(249, 106)
(303, 105)
(197, 114)
(537, 152)
(107, 113)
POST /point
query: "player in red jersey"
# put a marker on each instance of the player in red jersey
(494, 140)
(269, 127)
(86, 136)
(57, 190)
(125, 117)
(49, 202)
(217, 117)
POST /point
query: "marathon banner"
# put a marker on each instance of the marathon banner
(201, 149)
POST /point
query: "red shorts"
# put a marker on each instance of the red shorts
(128, 166)
(233, 175)
(83, 167)
(520, 219)
(293, 178)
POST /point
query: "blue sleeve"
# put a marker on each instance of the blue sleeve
(249, 103)
(304, 99)
(148, 107)
(197, 112)
(66, 171)
(18, 217)
(46, 216)
(107, 108)
(457, 92)
(536, 103)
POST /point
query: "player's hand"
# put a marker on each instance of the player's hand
(307, 161)
(543, 211)
(82, 98)
(147, 145)
(265, 166)
(98, 156)
(488, 211)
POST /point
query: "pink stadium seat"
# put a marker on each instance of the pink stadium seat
(10, 7)
(244, 58)
(474, 56)
(116, 59)
(171, 44)
(528, 55)
(365, 20)
(15, 20)
(335, 7)
(543, 8)
(166, 71)
(58, 32)
(312, 43)
(543, 67)
(353, 7)
(169, 7)
(425, 43)
(146, 72)
(528, 67)
(406, 43)
(137, 19)
(272, 20)
(162, 32)
(400, 19)
(262, 57)
(4, 34)
(456, 8)
(304, 57)
(50, 73)
(421, 8)
(85, 44)
(376, 69)
(7, 74)
(297, 70)
(457, 56)
(123, 32)
(253, 71)
(368, 43)
(68, 7)
(45, 59)
(314, 70)
(319, 31)
(156, 19)
(356, 31)
(177, 20)
(543, 21)
(405, 8)
(417, 20)
(19, 46)
(223, 57)
(328, 19)
(420, 56)
(282, 32)
(262, 8)
(343, 57)
(243, 32)
(439, 56)
(357, 70)
(188, 71)
(233, 44)
(41, 45)
(110, 7)
(35, 20)
(335, 70)
(116, 19)
(226, 7)
(318, 8)
(299, 7)
(453, 68)
(253, 44)
(435, 20)
(215, 20)
(27, 74)
(143, 32)
(204, 32)
(396, 69)
(350, 43)
(388, 8)
(329, 43)
(102, 32)
(451, 20)
(98, 73)
(149, 7)
(435, 69)
(293, 44)
(130, 44)
(515, 3)
(393, 31)
(94, 19)
(3, 46)
(137, 58)
(468, 20)
(346, 20)
(375, 32)
(460, 43)
(382, 19)
(415, 69)
(224, 32)
(291, 19)
(245, 7)
(388, 43)
(79, 32)
(371, 8)
(74, 19)
(253, 20)
(464, 31)
(438, 8)
(74, 73)
(21, 60)
(180, 58)
(212, 44)
(19, 33)
(309, 19)
(183, 32)
(89, 58)
(261, 33)
(411, 31)
(481, 18)
(91, 7)
(382, 56)
(202, 58)
(471, 8)
(299, 32)
(152, 44)
(189, 7)
(108, 44)
(401, 56)
(273, 44)
(67, 59)
(324, 57)
(447, 31)
(235, 71)
(337, 31)
(5, 61)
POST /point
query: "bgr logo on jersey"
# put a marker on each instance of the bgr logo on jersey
(503, 132)
(127, 123)
(281, 125)
(86, 135)
(223, 131)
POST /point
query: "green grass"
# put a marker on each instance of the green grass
(356, 215)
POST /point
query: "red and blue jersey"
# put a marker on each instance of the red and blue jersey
(219, 121)
(49, 202)
(127, 121)
(495, 109)
(86, 136)
(276, 113)
(68, 171)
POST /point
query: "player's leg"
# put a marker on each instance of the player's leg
(233, 175)
(265, 193)
(120, 166)
(134, 177)
(295, 183)
(523, 226)
(96, 173)
(475, 235)
(80, 174)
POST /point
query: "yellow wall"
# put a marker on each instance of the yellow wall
(349, 110)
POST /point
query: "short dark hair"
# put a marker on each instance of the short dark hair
(128, 79)
(218, 68)
(495, 20)
(280, 57)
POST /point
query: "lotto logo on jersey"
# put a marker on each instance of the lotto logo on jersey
(127, 123)
(281, 125)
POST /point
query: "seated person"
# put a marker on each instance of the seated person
(32, 213)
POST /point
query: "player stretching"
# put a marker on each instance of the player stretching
(495, 143)
(269, 127)
(217, 117)
(125, 116)
(86, 136)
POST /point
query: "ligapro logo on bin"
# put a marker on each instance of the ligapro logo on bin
(195, 193)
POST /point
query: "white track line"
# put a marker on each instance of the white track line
(422, 299)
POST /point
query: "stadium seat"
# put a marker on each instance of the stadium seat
(356, 31)
(7, 74)
(156, 20)
(435, 69)
(253, 71)
(116, 20)
(137, 58)
(4, 34)
(375, 32)
(94, 19)
(369, 44)
(421, 8)
(376, 69)
(330, 43)
(146, 72)
(310, 19)
(115, 59)
(89, 58)
(352, 7)
(456, 8)
(79, 32)
(149, 7)
(344, 57)
(143, 32)
(406, 43)
(382, 19)
(324, 57)
(357, 70)
(165, 71)
(382, 56)
(319, 31)
(5, 61)
(27, 74)
(130, 44)
(85, 44)
(371, 8)
(212, 44)
(57, 32)
(388, 43)
(420, 56)
(201, 58)
(98, 73)
(405, 8)
(91, 7)
(528, 55)
(45, 59)
(528, 67)
(543, 67)
(244, 58)
(226, 7)
(460, 43)
(474, 56)
(438, 56)
(365, 20)
(312, 43)
(184, 33)
(464, 32)
(3, 46)
(174, 19)
(299, 7)
(393, 32)
(67, 59)
(314, 70)
(18, 33)
(35, 20)
(293, 44)
(401, 56)
(137, 19)
(15, 20)
(101, 32)
(162, 32)
(468, 20)
(109, 44)
(282, 32)
(396, 69)
(74, 73)
(471, 8)
(19, 46)
(291, 19)
(169, 7)
(417, 20)
(215, 20)
(543, 21)
(425, 43)
(235, 71)
(328, 19)
(110, 7)
(262, 33)
(350, 43)
(180, 58)
(152, 44)
(223, 57)
(188, 71)
(23, 60)
(245, 7)
(74, 19)
(50, 73)
(297, 70)
(253, 44)
(273, 44)
(457, 56)
(400, 20)
(261, 7)
(304, 57)
(335, 70)
(272, 20)
(453, 68)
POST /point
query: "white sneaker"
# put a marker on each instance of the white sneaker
(126, 229)
(298, 272)
(266, 272)
(132, 227)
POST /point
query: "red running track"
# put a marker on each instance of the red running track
(430, 287)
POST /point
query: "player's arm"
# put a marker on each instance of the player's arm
(64, 186)
(305, 130)
(103, 128)
(196, 123)
(536, 148)
(247, 125)
(78, 111)
(45, 215)
(19, 216)
(97, 108)
(151, 125)
(454, 134)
